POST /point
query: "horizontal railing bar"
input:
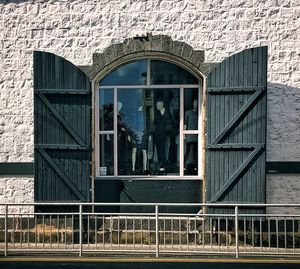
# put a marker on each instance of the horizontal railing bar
(151, 251)
(150, 214)
(268, 215)
(120, 215)
(160, 215)
(41, 214)
(240, 205)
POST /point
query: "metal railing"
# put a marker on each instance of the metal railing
(146, 228)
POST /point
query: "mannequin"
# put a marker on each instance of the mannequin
(140, 139)
(161, 122)
(191, 123)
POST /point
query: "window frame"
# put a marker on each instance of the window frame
(182, 132)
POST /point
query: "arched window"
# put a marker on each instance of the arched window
(148, 121)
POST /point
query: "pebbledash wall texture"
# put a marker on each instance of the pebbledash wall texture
(77, 29)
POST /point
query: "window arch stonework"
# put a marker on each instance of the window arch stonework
(157, 46)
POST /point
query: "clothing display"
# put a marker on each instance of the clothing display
(160, 136)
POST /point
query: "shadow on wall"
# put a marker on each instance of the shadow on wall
(283, 123)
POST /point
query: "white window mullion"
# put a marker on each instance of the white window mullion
(181, 135)
(190, 132)
(158, 86)
(115, 132)
(97, 138)
(106, 132)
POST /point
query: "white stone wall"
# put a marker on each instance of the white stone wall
(75, 29)
(16, 190)
(283, 188)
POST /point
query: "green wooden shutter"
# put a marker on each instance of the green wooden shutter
(236, 128)
(62, 126)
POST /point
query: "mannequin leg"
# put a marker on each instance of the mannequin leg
(133, 158)
(145, 159)
(160, 147)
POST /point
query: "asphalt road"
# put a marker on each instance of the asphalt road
(147, 264)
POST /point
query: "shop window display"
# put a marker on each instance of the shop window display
(140, 129)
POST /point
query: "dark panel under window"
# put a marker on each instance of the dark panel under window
(148, 191)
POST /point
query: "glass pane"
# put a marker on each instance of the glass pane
(106, 155)
(134, 73)
(191, 103)
(168, 73)
(148, 131)
(190, 155)
(106, 109)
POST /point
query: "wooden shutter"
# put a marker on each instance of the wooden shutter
(62, 126)
(236, 128)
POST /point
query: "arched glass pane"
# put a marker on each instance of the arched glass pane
(129, 74)
(168, 73)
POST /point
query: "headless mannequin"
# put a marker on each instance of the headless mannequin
(144, 146)
(161, 134)
(191, 123)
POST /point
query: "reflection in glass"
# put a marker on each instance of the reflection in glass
(191, 155)
(191, 109)
(106, 155)
(135, 125)
(148, 128)
(106, 109)
(134, 73)
(168, 73)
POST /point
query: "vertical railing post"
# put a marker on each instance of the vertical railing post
(5, 230)
(80, 230)
(236, 217)
(156, 231)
